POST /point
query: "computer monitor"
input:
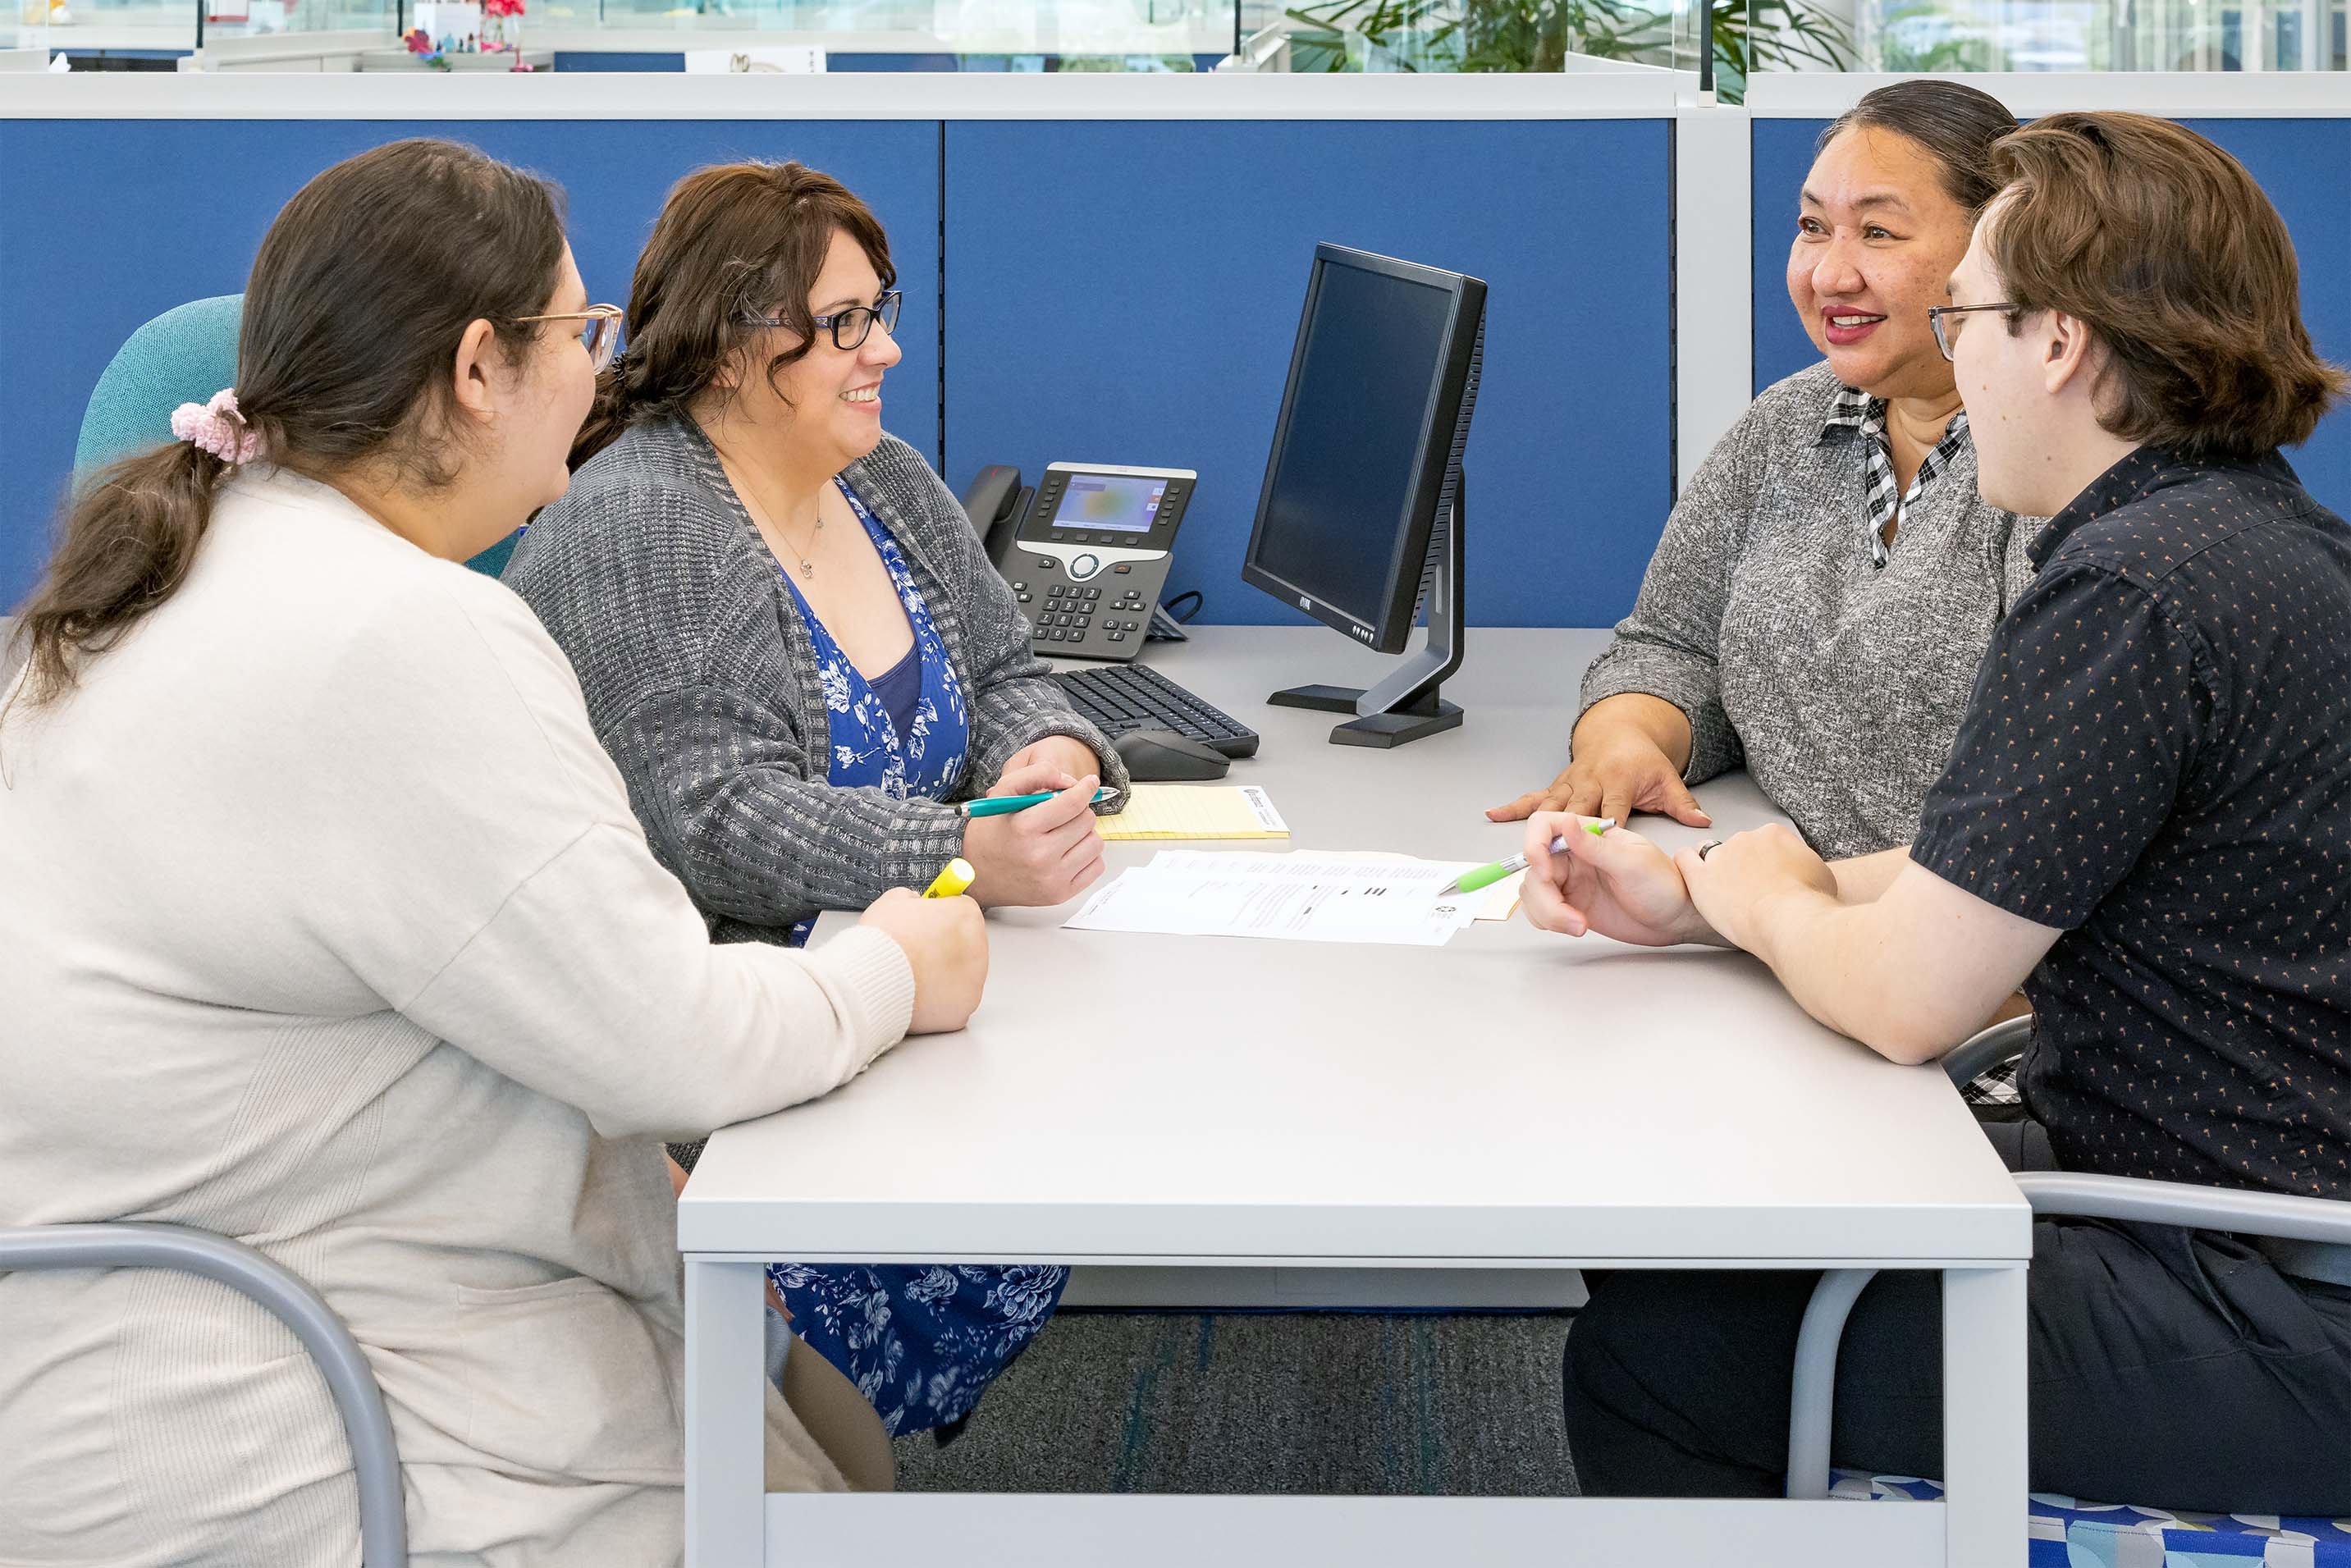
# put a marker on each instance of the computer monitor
(1360, 520)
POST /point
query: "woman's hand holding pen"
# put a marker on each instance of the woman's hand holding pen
(1617, 884)
(1045, 855)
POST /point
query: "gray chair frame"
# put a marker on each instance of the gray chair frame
(383, 1512)
(2259, 1213)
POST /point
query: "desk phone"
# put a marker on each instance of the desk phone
(1087, 551)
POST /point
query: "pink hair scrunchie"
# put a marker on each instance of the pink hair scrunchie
(218, 428)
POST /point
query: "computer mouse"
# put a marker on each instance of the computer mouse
(1164, 756)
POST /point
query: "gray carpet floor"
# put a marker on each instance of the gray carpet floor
(1329, 1404)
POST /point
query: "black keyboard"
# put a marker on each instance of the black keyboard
(1120, 698)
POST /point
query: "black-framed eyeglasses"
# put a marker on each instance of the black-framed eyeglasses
(851, 328)
(1946, 336)
(600, 329)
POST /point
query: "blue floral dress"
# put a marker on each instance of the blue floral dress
(921, 1341)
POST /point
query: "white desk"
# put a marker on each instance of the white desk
(1512, 1101)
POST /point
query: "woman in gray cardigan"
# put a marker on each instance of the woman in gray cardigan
(795, 650)
(1829, 579)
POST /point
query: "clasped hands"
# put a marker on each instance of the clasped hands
(1620, 884)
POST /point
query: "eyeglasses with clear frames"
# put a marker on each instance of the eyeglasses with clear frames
(600, 329)
(1946, 336)
(851, 328)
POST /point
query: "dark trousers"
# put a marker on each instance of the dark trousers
(2170, 1367)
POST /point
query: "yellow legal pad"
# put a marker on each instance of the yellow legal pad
(1195, 812)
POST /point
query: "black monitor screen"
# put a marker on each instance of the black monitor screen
(1340, 486)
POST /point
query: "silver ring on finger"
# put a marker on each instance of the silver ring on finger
(1709, 847)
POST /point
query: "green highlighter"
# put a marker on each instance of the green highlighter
(1000, 805)
(1487, 875)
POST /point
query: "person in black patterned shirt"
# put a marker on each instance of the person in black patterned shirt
(2146, 819)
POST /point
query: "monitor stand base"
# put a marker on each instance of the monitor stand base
(1429, 714)
(1405, 707)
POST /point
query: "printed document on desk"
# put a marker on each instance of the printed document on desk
(1282, 898)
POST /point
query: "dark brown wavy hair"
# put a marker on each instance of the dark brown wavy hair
(733, 242)
(362, 289)
(2169, 251)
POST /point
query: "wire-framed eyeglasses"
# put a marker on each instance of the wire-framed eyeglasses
(851, 328)
(600, 329)
(1946, 336)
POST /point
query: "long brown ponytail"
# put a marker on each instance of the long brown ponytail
(733, 241)
(360, 292)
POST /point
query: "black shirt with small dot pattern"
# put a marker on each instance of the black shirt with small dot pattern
(2157, 760)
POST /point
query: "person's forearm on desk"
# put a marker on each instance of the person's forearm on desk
(1910, 972)
(1863, 878)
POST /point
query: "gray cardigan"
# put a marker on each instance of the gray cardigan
(701, 677)
(1838, 683)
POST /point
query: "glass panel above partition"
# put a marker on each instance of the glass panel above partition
(2098, 34)
(1304, 36)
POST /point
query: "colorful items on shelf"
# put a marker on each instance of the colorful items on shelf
(502, 29)
(425, 51)
(451, 27)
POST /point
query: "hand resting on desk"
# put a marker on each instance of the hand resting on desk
(1624, 759)
(946, 944)
(1617, 884)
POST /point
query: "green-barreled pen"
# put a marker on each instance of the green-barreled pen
(1487, 875)
(998, 805)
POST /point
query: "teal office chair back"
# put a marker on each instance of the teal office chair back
(184, 355)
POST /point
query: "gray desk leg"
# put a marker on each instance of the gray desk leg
(1984, 1417)
(726, 1416)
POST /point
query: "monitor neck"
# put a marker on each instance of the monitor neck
(1412, 688)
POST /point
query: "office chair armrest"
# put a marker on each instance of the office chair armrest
(2277, 1214)
(375, 1461)
(2268, 1214)
(1987, 1048)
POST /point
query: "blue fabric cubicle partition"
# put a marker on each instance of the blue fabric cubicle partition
(2299, 162)
(111, 222)
(1129, 292)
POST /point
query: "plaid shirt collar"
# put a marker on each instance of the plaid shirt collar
(1855, 412)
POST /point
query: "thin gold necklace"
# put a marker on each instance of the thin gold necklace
(759, 514)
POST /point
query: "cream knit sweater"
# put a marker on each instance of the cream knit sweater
(325, 924)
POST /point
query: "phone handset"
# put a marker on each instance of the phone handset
(995, 503)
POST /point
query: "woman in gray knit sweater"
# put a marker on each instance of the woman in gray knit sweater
(1829, 579)
(795, 650)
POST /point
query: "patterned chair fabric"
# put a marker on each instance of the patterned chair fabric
(184, 355)
(2065, 1533)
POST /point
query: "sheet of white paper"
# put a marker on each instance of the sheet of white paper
(1287, 898)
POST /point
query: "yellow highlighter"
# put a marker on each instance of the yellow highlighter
(952, 878)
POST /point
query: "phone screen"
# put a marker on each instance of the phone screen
(1109, 503)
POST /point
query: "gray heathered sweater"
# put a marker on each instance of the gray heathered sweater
(1839, 684)
(701, 677)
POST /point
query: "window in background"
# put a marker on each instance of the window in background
(2100, 35)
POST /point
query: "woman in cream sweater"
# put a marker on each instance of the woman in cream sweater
(328, 927)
